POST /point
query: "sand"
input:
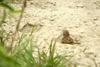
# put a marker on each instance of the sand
(80, 17)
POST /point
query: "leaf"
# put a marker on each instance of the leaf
(3, 4)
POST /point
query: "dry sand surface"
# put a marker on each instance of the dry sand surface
(80, 17)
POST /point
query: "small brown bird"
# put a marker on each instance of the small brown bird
(66, 38)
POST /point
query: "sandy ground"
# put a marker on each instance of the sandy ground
(80, 17)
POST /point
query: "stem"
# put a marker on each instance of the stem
(3, 18)
(21, 15)
(18, 24)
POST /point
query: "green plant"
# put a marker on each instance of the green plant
(6, 60)
(50, 58)
(25, 55)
